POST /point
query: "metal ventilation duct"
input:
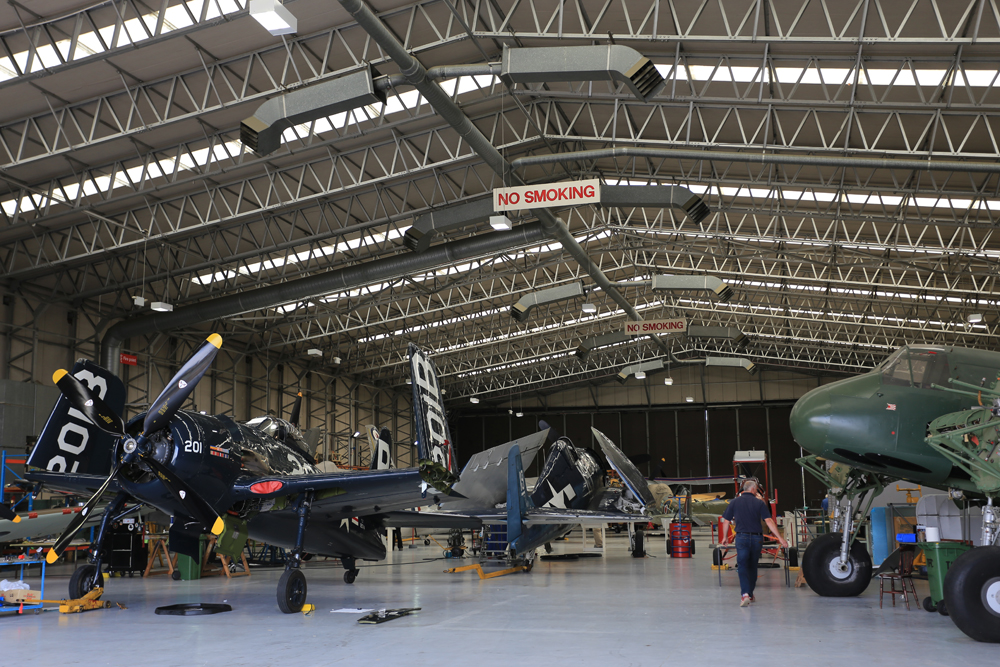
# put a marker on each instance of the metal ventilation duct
(732, 333)
(644, 366)
(583, 63)
(314, 286)
(589, 344)
(724, 291)
(261, 132)
(737, 362)
(522, 309)
(418, 237)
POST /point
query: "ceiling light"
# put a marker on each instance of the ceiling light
(640, 375)
(161, 306)
(975, 318)
(473, 400)
(138, 301)
(314, 352)
(444, 391)
(274, 17)
(519, 414)
(409, 381)
(500, 223)
(336, 360)
(357, 434)
(590, 307)
(668, 381)
(509, 411)
(689, 399)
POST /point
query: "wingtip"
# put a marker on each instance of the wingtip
(16, 519)
(58, 375)
(51, 557)
(216, 340)
(219, 526)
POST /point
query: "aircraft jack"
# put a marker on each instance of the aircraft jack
(483, 575)
(91, 600)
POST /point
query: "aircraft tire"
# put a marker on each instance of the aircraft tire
(972, 593)
(818, 568)
(717, 557)
(350, 576)
(292, 591)
(82, 581)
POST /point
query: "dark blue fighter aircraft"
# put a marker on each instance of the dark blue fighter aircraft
(213, 473)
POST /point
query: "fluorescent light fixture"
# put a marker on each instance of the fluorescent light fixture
(668, 381)
(640, 375)
(501, 223)
(590, 307)
(161, 306)
(689, 399)
(138, 301)
(519, 414)
(473, 399)
(314, 352)
(274, 17)
(975, 318)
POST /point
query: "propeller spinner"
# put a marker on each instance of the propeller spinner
(158, 417)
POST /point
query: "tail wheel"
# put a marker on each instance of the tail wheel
(82, 581)
(972, 593)
(292, 591)
(350, 576)
(827, 577)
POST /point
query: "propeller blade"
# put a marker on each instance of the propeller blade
(181, 385)
(293, 419)
(78, 520)
(90, 404)
(194, 504)
(8, 513)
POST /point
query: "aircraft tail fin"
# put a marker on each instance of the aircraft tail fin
(381, 444)
(430, 425)
(518, 501)
(69, 442)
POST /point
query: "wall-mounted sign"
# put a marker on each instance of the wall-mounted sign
(547, 195)
(656, 326)
(128, 359)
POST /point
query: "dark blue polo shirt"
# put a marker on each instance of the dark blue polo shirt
(748, 511)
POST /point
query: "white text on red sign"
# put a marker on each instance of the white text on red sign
(547, 195)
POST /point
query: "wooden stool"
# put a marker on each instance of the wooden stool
(214, 572)
(903, 574)
(160, 550)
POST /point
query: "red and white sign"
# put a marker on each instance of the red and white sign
(547, 195)
(128, 359)
(656, 326)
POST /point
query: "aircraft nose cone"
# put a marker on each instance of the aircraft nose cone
(810, 420)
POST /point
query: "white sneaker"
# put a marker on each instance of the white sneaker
(745, 601)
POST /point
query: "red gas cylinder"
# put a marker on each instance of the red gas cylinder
(680, 539)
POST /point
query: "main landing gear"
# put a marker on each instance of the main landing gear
(88, 577)
(836, 564)
(292, 587)
(972, 585)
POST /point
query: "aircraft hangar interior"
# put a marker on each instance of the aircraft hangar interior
(598, 332)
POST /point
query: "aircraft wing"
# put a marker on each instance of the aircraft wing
(75, 483)
(629, 474)
(42, 523)
(484, 479)
(695, 481)
(447, 520)
(346, 493)
(535, 516)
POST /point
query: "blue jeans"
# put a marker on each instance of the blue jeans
(747, 554)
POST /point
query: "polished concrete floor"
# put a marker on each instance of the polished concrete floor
(610, 611)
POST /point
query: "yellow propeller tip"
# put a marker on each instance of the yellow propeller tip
(16, 519)
(219, 526)
(51, 557)
(216, 340)
(58, 375)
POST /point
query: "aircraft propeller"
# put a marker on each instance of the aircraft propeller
(8, 513)
(160, 412)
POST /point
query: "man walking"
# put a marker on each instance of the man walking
(748, 511)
